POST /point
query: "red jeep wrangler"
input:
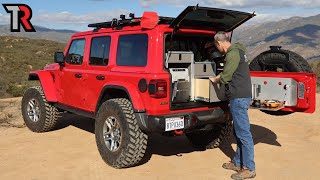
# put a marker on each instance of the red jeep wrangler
(151, 74)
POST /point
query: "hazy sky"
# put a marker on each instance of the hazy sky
(76, 14)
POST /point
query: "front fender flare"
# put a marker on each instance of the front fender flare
(47, 83)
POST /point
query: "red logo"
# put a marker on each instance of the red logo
(20, 14)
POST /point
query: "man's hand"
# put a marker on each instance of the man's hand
(215, 79)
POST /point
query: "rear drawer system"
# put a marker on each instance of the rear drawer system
(272, 91)
(190, 79)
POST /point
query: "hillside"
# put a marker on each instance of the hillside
(18, 56)
(298, 34)
(42, 33)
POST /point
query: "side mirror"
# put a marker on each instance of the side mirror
(59, 57)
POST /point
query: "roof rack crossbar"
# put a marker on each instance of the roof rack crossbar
(127, 22)
(113, 23)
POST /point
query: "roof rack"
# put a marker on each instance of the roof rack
(119, 23)
(165, 20)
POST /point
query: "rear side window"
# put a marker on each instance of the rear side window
(132, 50)
(75, 53)
(99, 52)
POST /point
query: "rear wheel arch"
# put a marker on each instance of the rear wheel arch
(116, 91)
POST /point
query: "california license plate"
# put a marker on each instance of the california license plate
(174, 123)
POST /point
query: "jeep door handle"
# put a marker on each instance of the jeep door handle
(101, 78)
(78, 75)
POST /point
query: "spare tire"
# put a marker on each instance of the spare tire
(279, 60)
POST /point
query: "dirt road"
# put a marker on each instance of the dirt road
(286, 148)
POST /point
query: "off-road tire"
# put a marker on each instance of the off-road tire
(133, 141)
(296, 63)
(213, 138)
(49, 114)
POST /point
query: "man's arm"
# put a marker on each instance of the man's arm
(215, 79)
(232, 63)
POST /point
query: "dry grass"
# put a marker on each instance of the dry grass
(19, 56)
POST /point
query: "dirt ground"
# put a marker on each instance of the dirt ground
(286, 147)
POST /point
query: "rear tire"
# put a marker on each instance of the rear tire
(131, 142)
(213, 138)
(38, 114)
(295, 63)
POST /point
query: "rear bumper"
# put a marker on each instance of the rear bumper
(192, 120)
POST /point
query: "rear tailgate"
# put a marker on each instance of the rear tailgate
(212, 19)
(297, 90)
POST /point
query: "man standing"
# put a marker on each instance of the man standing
(236, 79)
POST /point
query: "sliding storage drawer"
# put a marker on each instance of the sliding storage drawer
(205, 90)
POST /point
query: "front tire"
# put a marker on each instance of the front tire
(213, 138)
(38, 114)
(119, 139)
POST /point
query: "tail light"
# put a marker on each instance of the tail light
(158, 88)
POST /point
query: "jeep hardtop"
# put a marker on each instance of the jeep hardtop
(150, 74)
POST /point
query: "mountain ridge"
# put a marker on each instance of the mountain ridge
(298, 34)
(58, 35)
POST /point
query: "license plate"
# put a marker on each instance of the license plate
(174, 123)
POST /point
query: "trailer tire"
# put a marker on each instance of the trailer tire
(291, 61)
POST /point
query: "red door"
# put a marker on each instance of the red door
(72, 76)
(97, 70)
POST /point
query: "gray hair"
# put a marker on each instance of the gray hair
(221, 36)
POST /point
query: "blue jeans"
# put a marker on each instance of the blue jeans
(244, 155)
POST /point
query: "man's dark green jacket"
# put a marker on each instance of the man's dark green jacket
(236, 73)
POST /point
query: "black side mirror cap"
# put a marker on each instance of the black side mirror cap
(59, 57)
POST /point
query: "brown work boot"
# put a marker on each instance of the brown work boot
(243, 174)
(231, 166)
